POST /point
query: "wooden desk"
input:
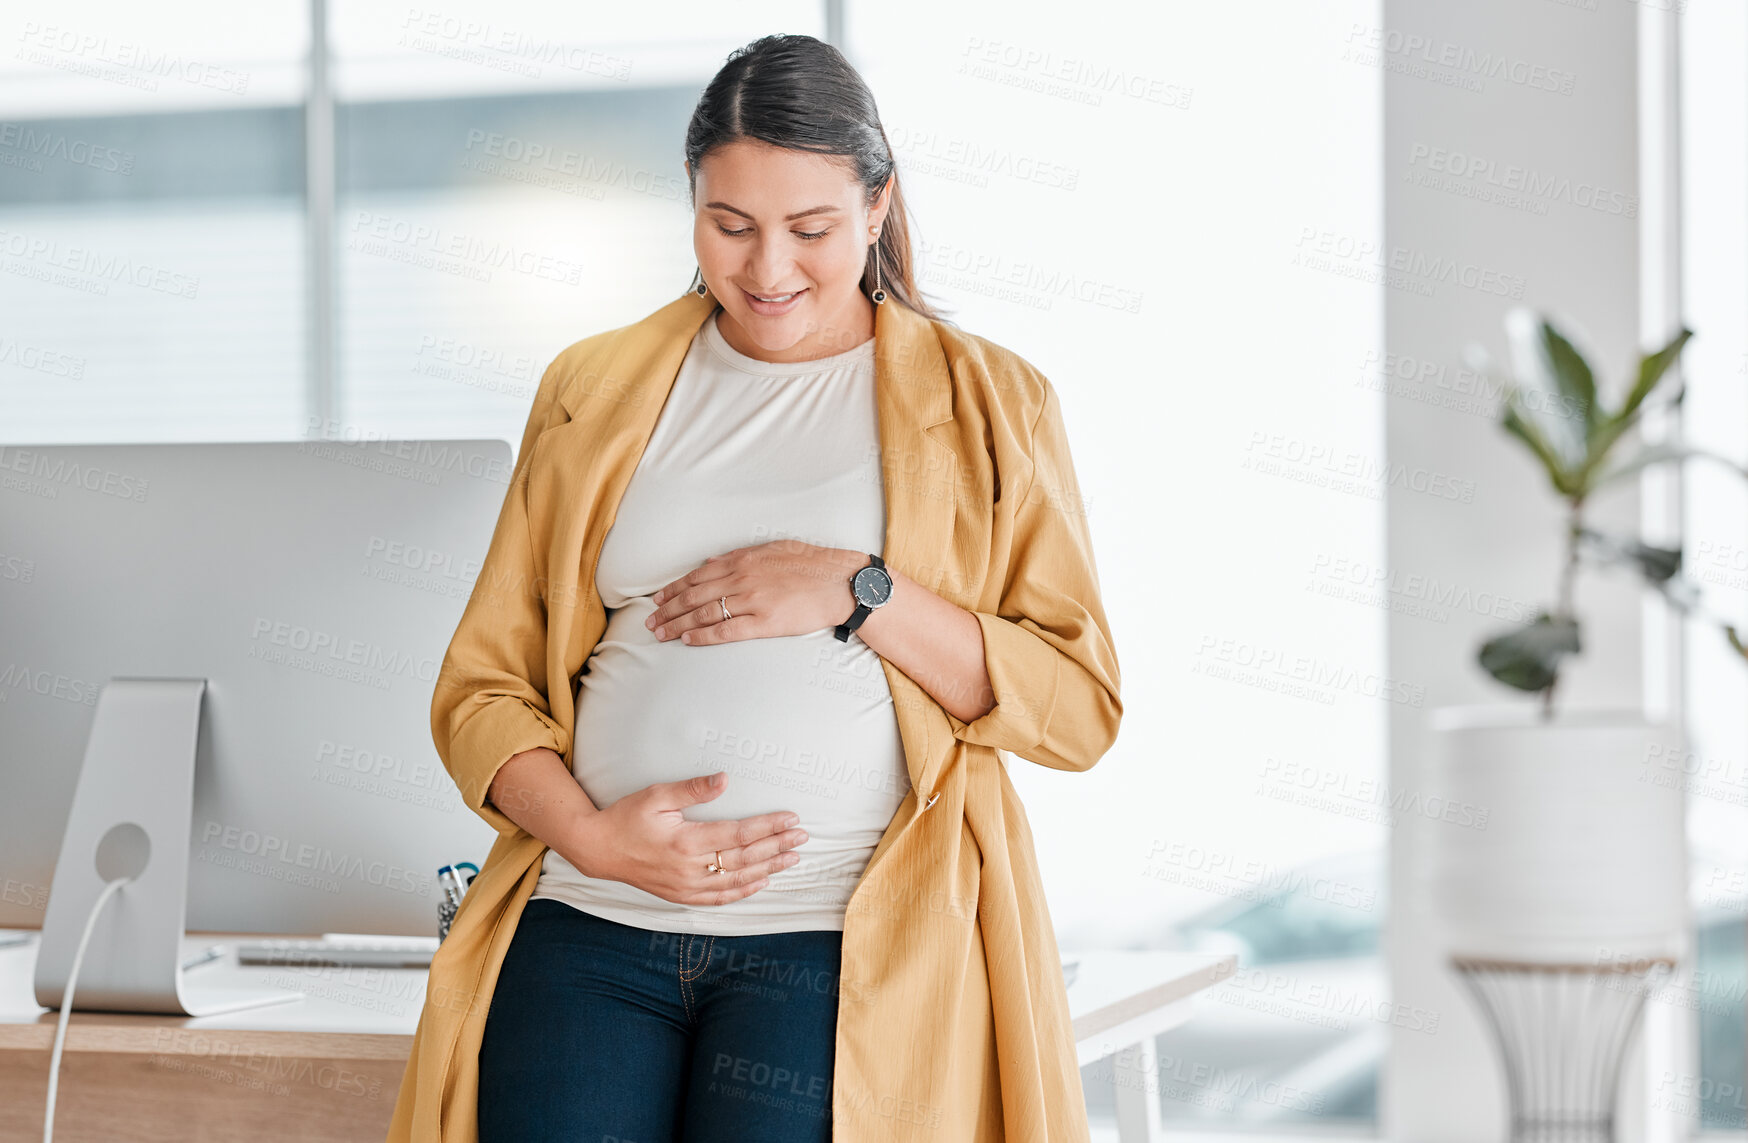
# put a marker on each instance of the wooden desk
(327, 1068)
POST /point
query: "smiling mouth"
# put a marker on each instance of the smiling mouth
(775, 298)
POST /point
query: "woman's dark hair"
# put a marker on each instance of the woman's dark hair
(799, 92)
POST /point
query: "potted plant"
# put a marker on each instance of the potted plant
(1582, 854)
(1560, 420)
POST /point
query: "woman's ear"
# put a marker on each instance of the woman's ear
(882, 202)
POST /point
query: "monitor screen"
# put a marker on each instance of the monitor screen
(315, 586)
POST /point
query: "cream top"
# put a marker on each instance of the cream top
(743, 452)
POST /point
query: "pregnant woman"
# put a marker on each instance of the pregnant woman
(781, 569)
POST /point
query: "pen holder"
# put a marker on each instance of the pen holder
(453, 886)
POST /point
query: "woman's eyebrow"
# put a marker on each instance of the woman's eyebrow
(786, 218)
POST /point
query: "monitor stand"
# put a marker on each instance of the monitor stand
(132, 816)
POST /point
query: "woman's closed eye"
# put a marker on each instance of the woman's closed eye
(809, 235)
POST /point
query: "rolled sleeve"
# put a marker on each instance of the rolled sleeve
(1023, 672)
(499, 730)
(1048, 649)
(490, 700)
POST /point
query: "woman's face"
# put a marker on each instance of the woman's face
(751, 250)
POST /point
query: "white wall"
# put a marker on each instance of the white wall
(1442, 94)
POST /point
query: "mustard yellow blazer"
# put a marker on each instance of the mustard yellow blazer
(952, 1018)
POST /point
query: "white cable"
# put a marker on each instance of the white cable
(48, 1115)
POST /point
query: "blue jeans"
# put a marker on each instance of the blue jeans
(600, 1032)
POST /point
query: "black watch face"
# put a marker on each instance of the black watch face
(872, 587)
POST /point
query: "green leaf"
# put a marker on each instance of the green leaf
(1604, 435)
(1601, 443)
(1660, 454)
(1571, 373)
(1531, 435)
(1652, 366)
(1545, 397)
(1655, 564)
(1658, 564)
(1529, 657)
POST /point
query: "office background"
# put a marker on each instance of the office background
(1221, 230)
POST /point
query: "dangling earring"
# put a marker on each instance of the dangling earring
(698, 286)
(879, 295)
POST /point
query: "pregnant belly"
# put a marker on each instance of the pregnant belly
(803, 723)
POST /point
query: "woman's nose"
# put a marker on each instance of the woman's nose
(768, 266)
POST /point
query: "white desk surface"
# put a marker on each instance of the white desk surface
(1114, 987)
(1110, 989)
(376, 1009)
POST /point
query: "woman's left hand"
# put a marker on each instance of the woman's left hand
(782, 587)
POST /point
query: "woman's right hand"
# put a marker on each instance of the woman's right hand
(644, 839)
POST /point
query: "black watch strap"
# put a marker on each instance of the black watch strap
(862, 610)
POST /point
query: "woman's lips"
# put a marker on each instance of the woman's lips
(773, 309)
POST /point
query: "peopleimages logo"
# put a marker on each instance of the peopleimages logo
(1427, 57)
(505, 48)
(556, 159)
(1525, 181)
(456, 252)
(58, 470)
(39, 144)
(1400, 266)
(123, 61)
(53, 362)
(92, 270)
(265, 847)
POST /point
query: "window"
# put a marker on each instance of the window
(151, 223)
(1707, 1093)
(1159, 207)
(1156, 206)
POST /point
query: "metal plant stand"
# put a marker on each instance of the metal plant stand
(1562, 1030)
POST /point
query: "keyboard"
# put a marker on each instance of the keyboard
(341, 950)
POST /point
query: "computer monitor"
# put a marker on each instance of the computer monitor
(314, 586)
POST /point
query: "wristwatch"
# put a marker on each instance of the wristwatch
(872, 587)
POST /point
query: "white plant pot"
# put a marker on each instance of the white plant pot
(1580, 853)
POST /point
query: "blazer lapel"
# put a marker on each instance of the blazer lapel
(615, 398)
(919, 471)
